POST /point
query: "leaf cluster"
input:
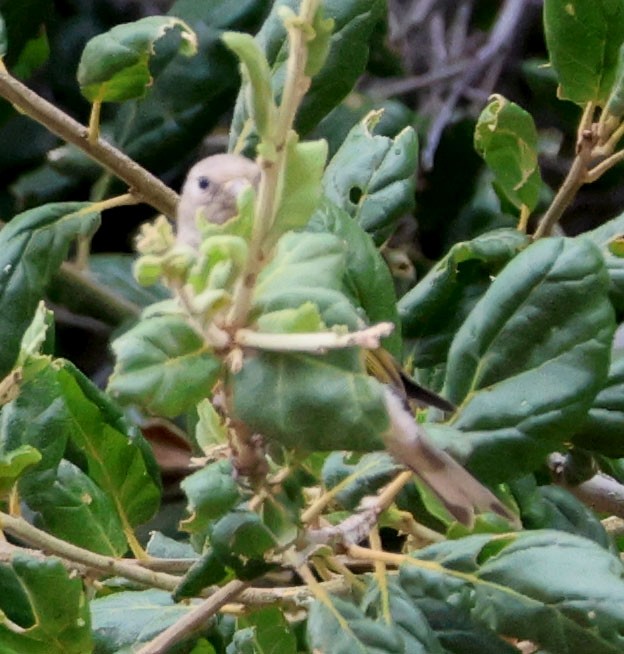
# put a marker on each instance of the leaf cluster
(299, 532)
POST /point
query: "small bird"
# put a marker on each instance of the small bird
(209, 193)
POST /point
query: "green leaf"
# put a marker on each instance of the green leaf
(372, 177)
(76, 509)
(553, 507)
(164, 547)
(311, 403)
(60, 620)
(38, 335)
(306, 318)
(162, 129)
(318, 47)
(118, 458)
(359, 477)
(24, 23)
(33, 246)
(211, 492)
(271, 633)
(257, 81)
(432, 312)
(35, 53)
(211, 429)
(416, 632)
(615, 103)
(115, 271)
(203, 647)
(32, 419)
(560, 591)
(603, 236)
(62, 414)
(506, 137)
(301, 190)
(603, 429)
(4, 44)
(240, 541)
(162, 365)
(311, 412)
(205, 571)
(129, 618)
(367, 281)
(307, 268)
(584, 40)
(114, 66)
(530, 358)
(345, 628)
(354, 21)
(303, 260)
(13, 464)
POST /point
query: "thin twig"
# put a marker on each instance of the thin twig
(314, 342)
(600, 169)
(23, 530)
(381, 576)
(601, 492)
(295, 86)
(390, 87)
(106, 305)
(572, 183)
(496, 47)
(195, 619)
(145, 185)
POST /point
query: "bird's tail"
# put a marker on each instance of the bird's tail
(458, 490)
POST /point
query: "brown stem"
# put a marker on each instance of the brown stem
(572, 183)
(150, 189)
(96, 299)
(195, 619)
(601, 492)
(25, 531)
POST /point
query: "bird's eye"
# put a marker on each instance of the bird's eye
(203, 183)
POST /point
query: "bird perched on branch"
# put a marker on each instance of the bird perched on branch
(210, 193)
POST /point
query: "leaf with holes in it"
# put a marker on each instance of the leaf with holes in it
(527, 363)
(114, 66)
(163, 365)
(32, 247)
(584, 40)
(46, 607)
(506, 138)
(372, 177)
